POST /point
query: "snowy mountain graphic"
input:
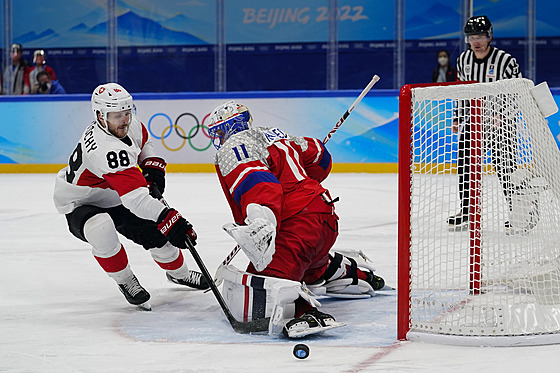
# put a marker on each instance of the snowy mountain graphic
(81, 27)
(132, 27)
(31, 36)
(132, 30)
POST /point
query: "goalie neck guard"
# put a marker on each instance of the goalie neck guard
(226, 120)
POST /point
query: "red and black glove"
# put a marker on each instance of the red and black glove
(153, 169)
(173, 226)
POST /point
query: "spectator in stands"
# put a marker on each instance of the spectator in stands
(445, 72)
(45, 85)
(40, 64)
(14, 75)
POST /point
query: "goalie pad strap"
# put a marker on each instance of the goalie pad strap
(334, 265)
(336, 268)
(353, 271)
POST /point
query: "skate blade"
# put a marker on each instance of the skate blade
(146, 306)
(315, 330)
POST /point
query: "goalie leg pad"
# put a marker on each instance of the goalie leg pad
(252, 297)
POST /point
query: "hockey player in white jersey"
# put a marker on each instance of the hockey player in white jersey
(102, 191)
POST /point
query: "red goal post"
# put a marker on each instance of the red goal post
(497, 282)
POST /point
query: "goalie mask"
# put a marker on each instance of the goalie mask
(110, 97)
(226, 120)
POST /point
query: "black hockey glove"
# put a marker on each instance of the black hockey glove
(176, 228)
(153, 170)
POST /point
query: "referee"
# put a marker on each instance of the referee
(484, 63)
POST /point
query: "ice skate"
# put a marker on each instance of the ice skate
(194, 280)
(310, 322)
(376, 282)
(458, 222)
(530, 223)
(351, 275)
(135, 294)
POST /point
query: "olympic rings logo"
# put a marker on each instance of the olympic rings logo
(179, 131)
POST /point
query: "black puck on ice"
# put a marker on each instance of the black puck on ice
(301, 351)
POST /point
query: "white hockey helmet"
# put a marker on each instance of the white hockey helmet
(110, 97)
(227, 119)
(37, 53)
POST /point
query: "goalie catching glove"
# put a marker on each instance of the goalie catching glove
(153, 169)
(173, 226)
(257, 237)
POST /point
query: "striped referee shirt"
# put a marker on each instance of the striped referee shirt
(497, 65)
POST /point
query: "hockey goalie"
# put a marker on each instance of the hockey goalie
(285, 222)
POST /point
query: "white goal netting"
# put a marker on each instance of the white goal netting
(484, 213)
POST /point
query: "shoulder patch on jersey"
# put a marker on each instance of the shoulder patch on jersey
(273, 134)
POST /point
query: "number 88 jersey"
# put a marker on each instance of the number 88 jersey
(102, 171)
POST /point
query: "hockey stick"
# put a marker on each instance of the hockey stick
(259, 325)
(217, 277)
(374, 80)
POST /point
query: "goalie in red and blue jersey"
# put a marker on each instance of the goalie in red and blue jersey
(285, 220)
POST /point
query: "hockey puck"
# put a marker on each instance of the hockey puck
(301, 351)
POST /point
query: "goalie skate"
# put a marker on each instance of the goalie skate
(311, 322)
(341, 278)
(458, 222)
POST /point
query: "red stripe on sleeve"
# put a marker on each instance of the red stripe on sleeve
(126, 181)
(144, 134)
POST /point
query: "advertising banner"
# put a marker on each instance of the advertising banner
(45, 131)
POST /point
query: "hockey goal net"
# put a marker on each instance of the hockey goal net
(479, 263)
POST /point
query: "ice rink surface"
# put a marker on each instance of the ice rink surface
(59, 312)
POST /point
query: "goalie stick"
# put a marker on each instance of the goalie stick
(259, 325)
(374, 80)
